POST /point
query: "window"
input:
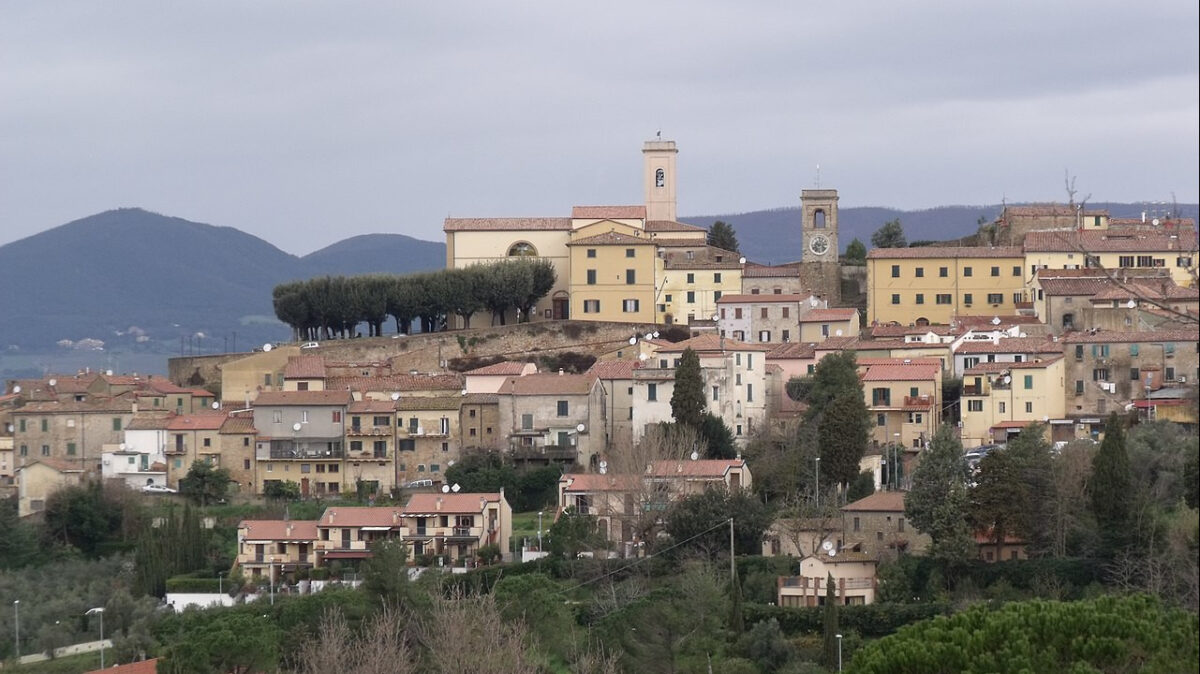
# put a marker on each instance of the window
(591, 306)
(895, 271)
(563, 408)
(824, 329)
(1028, 408)
(974, 405)
(337, 416)
(881, 419)
(967, 271)
(629, 306)
(749, 361)
(716, 393)
(1016, 298)
(716, 277)
(764, 335)
(716, 295)
(522, 249)
(1125, 261)
(787, 312)
(1183, 262)
(1169, 373)
(920, 298)
(629, 252)
(857, 524)
(591, 277)
(1100, 351)
(630, 277)
(1169, 348)
(356, 445)
(652, 392)
(1146, 261)
(943, 272)
(920, 272)
(1002, 408)
(786, 336)
(302, 386)
(765, 313)
(24, 450)
(1078, 352)
(1028, 381)
(304, 416)
(943, 298)
(881, 396)
(995, 271)
(967, 299)
(71, 449)
(660, 178)
(896, 298)
(526, 422)
(737, 312)
(208, 442)
(45, 450)
(22, 424)
(1134, 374)
(277, 416)
(691, 278)
(691, 297)
(1016, 270)
(1100, 374)
(591, 252)
(46, 425)
(116, 423)
(915, 418)
(995, 298)
(1078, 387)
(749, 393)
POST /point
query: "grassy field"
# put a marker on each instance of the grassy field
(525, 525)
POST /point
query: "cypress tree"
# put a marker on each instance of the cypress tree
(831, 623)
(1110, 487)
(687, 400)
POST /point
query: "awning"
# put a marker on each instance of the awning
(375, 528)
(347, 554)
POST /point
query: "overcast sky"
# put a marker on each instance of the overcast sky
(305, 123)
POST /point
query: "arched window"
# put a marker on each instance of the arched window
(660, 178)
(819, 218)
(522, 249)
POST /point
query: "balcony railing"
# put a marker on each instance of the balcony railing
(369, 430)
(287, 449)
(918, 401)
(972, 390)
(172, 448)
(540, 452)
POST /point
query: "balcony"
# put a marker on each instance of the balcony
(923, 402)
(175, 449)
(544, 453)
(288, 449)
(972, 390)
(373, 431)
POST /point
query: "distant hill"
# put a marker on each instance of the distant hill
(376, 253)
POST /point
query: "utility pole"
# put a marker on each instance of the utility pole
(732, 568)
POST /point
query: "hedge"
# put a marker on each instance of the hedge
(870, 620)
(191, 584)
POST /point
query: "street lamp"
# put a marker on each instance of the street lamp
(93, 611)
(17, 627)
(540, 531)
(818, 481)
(839, 638)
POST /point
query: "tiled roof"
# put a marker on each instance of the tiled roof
(880, 501)
(1097, 272)
(548, 384)
(360, 516)
(803, 350)
(505, 224)
(507, 367)
(611, 239)
(304, 367)
(986, 322)
(480, 399)
(671, 226)
(61, 465)
(1139, 337)
(895, 343)
(119, 405)
(1058, 287)
(279, 530)
(1010, 345)
(843, 343)
(1098, 241)
(993, 368)
(370, 406)
(771, 271)
(141, 667)
(910, 372)
(868, 360)
(433, 504)
(700, 468)
(613, 369)
(945, 251)
(196, 422)
(163, 386)
(239, 425)
(283, 398)
(828, 315)
(1153, 291)
(594, 482)
(397, 382)
(418, 403)
(149, 422)
(710, 343)
(609, 212)
(761, 299)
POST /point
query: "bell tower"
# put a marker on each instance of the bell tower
(659, 178)
(819, 226)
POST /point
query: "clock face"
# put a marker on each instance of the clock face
(819, 245)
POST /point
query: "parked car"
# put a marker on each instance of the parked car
(417, 484)
(158, 489)
(310, 345)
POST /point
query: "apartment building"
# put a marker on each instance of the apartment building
(926, 285)
(301, 439)
(553, 418)
(903, 397)
(1115, 250)
(999, 399)
(761, 319)
(735, 379)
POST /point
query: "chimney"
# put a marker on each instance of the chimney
(439, 504)
(288, 530)
(331, 514)
(395, 517)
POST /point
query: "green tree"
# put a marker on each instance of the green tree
(19, 545)
(1012, 489)
(1110, 488)
(721, 235)
(856, 253)
(937, 503)
(282, 490)
(890, 235)
(205, 484)
(222, 641)
(81, 516)
(862, 487)
(573, 533)
(830, 624)
(696, 522)
(843, 433)
(718, 439)
(766, 645)
(537, 600)
(385, 573)
(687, 399)
(834, 376)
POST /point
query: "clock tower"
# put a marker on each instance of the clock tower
(818, 227)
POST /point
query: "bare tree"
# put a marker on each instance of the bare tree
(636, 501)
(381, 648)
(1070, 471)
(466, 633)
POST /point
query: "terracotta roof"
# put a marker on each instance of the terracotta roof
(700, 468)
(418, 403)
(710, 343)
(845, 343)
(910, 372)
(370, 406)
(548, 384)
(149, 422)
(1140, 337)
(1097, 272)
(304, 367)
(141, 667)
(828, 315)
(1153, 291)
(507, 367)
(986, 321)
(359, 516)
(239, 425)
(771, 271)
(671, 226)
(283, 398)
(160, 385)
(594, 482)
(1010, 345)
(611, 239)
(869, 360)
(1058, 287)
(614, 369)
(397, 382)
(761, 299)
(895, 343)
(504, 224)
(119, 404)
(880, 501)
(801, 350)
(422, 504)
(609, 212)
(196, 422)
(480, 399)
(1099, 241)
(993, 368)
(279, 530)
(61, 465)
(947, 251)
(845, 557)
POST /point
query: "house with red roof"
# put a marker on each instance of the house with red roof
(553, 418)
(999, 399)
(904, 397)
(817, 325)
(274, 548)
(876, 525)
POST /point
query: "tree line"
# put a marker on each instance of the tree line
(329, 307)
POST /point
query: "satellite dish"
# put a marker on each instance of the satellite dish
(642, 356)
(53, 382)
(450, 462)
(649, 335)
(603, 466)
(296, 426)
(632, 340)
(656, 334)
(716, 317)
(268, 346)
(463, 392)
(1046, 418)
(122, 446)
(17, 388)
(1022, 335)
(1131, 303)
(216, 405)
(827, 546)
(1154, 221)
(695, 455)
(995, 320)
(838, 332)
(833, 552)
(108, 373)
(455, 488)
(1007, 379)
(445, 489)
(580, 428)
(741, 260)
(395, 395)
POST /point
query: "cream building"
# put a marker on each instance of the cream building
(926, 285)
(999, 399)
(735, 379)
(1114, 250)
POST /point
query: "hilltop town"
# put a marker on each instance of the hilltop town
(642, 370)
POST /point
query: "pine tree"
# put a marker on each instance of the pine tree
(1110, 486)
(937, 503)
(687, 400)
(721, 235)
(856, 252)
(843, 434)
(890, 235)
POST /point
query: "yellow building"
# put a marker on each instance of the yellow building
(1114, 250)
(1000, 399)
(612, 273)
(920, 286)
(904, 399)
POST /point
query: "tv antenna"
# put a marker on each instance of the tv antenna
(818, 176)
